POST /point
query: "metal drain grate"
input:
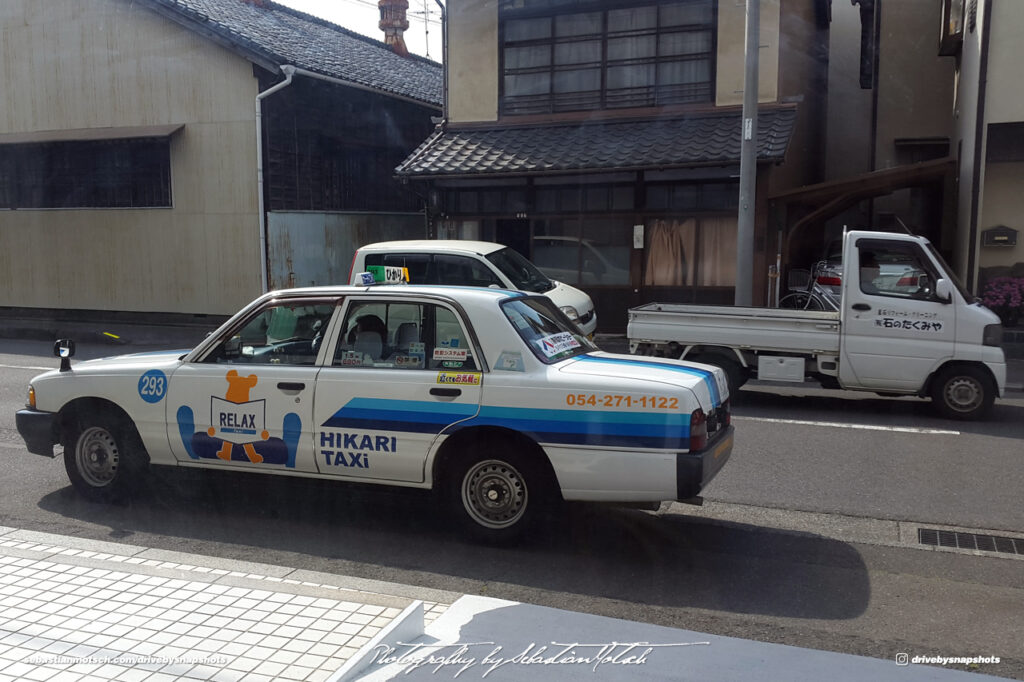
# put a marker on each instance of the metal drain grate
(958, 540)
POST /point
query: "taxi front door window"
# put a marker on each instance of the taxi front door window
(285, 334)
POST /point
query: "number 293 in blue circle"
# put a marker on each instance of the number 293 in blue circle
(153, 386)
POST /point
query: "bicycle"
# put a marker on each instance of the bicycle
(813, 295)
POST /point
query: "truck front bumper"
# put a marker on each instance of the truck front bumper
(694, 470)
(37, 429)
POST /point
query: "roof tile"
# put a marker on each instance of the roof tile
(287, 36)
(634, 144)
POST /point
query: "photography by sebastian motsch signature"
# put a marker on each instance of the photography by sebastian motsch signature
(487, 657)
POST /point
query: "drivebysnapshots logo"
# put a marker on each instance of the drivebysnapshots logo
(907, 659)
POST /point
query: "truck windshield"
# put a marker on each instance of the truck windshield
(545, 329)
(523, 274)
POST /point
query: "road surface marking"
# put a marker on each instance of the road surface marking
(840, 425)
(24, 367)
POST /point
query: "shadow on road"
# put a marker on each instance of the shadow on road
(598, 551)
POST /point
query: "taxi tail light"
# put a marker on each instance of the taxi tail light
(725, 414)
(698, 430)
(830, 281)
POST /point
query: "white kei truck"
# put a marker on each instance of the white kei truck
(905, 326)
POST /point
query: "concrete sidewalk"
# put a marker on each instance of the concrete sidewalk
(74, 609)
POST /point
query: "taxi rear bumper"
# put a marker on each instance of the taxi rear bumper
(694, 470)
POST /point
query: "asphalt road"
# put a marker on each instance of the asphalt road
(785, 551)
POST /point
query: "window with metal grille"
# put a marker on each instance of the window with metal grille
(122, 173)
(588, 55)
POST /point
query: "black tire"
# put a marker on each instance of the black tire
(104, 457)
(496, 494)
(963, 392)
(800, 301)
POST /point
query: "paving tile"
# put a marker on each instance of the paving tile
(134, 675)
(51, 608)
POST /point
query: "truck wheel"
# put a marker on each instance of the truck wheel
(962, 392)
(496, 494)
(103, 456)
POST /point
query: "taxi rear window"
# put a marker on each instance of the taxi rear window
(545, 329)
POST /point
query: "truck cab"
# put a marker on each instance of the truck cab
(905, 317)
(904, 326)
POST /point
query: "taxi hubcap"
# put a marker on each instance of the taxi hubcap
(494, 494)
(97, 456)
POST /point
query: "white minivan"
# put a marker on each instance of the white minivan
(473, 263)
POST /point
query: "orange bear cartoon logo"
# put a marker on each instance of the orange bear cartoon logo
(238, 416)
(239, 387)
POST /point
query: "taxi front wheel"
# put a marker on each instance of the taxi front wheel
(101, 456)
(499, 495)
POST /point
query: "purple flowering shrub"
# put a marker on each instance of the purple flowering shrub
(1005, 297)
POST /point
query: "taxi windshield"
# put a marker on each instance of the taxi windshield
(523, 274)
(546, 330)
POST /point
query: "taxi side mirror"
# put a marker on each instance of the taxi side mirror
(943, 291)
(65, 350)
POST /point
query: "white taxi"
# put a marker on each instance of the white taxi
(491, 397)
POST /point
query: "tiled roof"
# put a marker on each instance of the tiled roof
(282, 35)
(683, 141)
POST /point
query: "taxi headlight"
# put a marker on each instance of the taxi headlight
(31, 402)
(570, 312)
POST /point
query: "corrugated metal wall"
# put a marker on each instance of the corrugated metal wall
(314, 249)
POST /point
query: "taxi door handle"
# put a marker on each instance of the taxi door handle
(446, 392)
(291, 386)
(861, 306)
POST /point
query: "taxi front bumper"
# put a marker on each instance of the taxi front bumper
(694, 470)
(37, 429)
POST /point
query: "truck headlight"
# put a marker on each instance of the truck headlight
(30, 403)
(570, 312)
(993, 335)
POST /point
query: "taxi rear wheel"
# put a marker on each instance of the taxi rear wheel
(101, 456)
(497, 495)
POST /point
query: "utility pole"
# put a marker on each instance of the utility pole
(748, 161)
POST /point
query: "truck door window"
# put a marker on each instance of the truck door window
(402, 336)
(894, 269)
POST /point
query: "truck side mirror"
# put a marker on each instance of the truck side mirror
(943, 291)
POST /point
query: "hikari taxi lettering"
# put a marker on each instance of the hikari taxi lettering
(351, 450)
